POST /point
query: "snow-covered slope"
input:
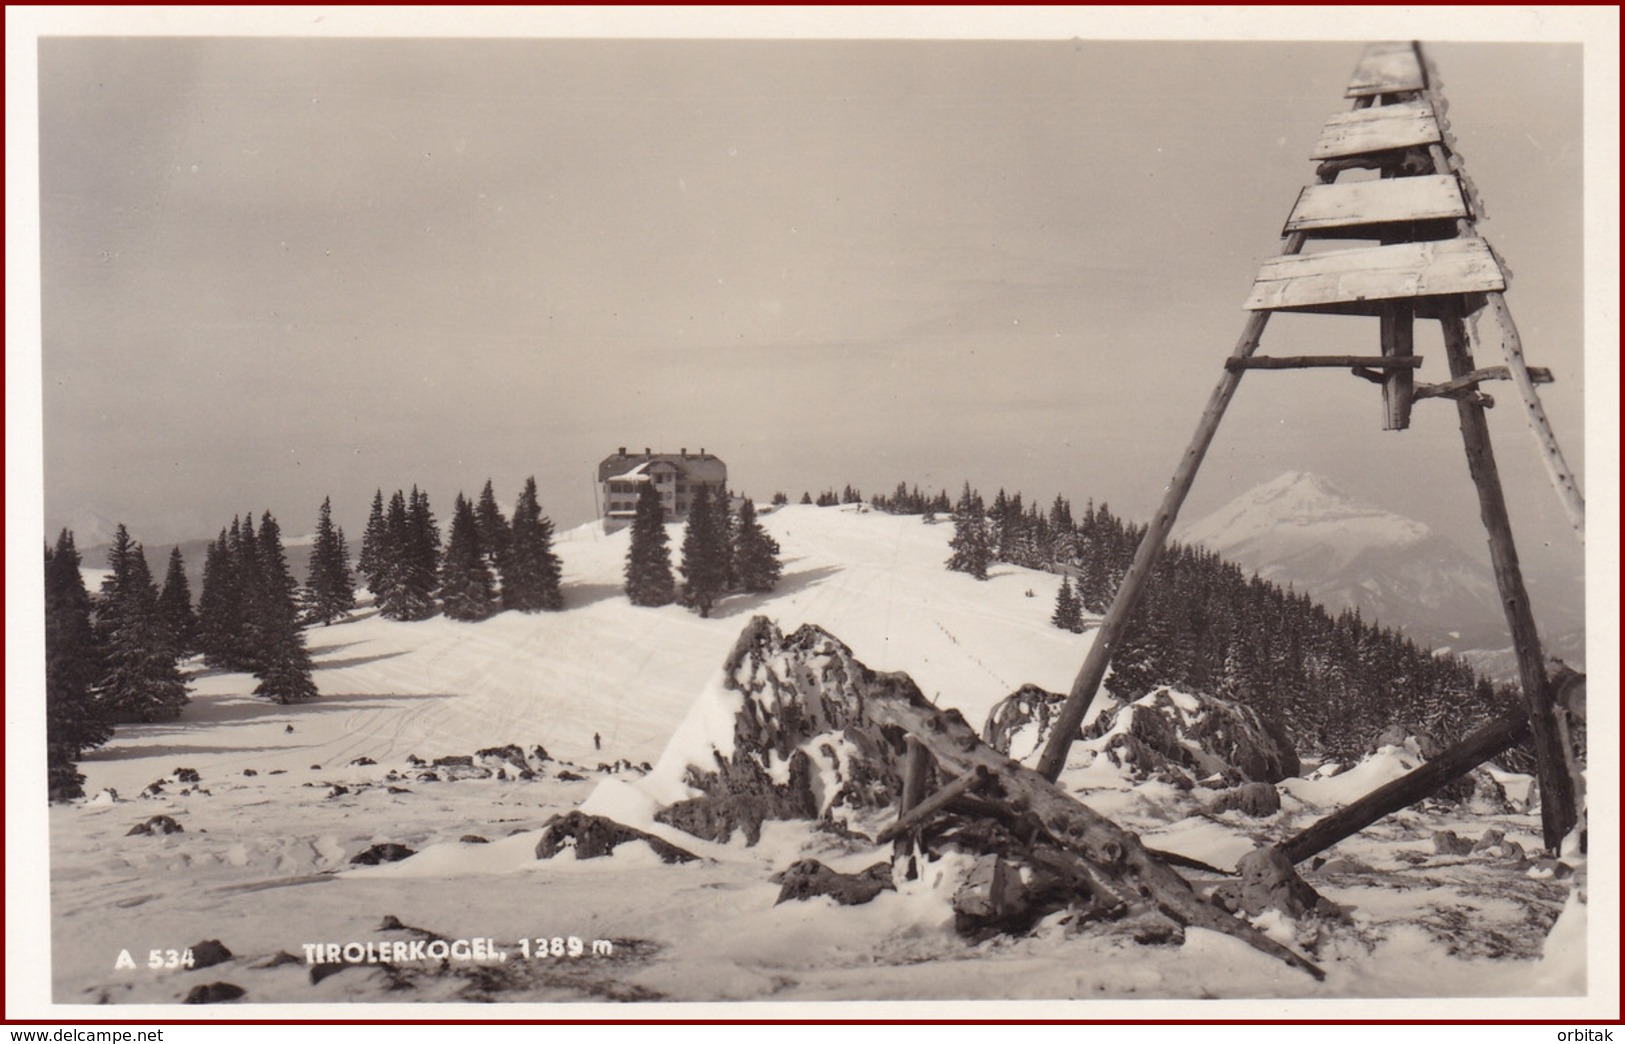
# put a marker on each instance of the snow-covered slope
(286, 797)
(628, 674)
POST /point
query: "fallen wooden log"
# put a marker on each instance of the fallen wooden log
(1114, 860)
(933, 804)
(1499, 735)
(916, 765)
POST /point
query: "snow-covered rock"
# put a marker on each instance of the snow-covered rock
(1187, 739)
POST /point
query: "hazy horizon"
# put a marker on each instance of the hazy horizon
(277, 270)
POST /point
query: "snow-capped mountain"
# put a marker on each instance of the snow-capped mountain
(1300, 529)
(89, 529)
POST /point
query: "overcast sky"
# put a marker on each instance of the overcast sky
(274, 270)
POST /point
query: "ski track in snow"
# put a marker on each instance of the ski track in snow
(256, 864)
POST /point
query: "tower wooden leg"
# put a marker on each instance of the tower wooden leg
(1555, 760)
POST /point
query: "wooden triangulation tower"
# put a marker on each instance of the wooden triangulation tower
(1428, 262)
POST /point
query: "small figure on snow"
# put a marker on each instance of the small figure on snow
(597, 743)
(288, 729)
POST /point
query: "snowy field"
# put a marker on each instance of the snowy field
(286, 796)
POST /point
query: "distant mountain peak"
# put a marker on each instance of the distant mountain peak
(1298, 510)
(1300, 529)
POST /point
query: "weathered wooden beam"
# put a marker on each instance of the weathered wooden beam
(1380, 129)
(1398, 340)
(933, 804)
(1303, 362)
(1453, 388)
(1354, 207)
(1554, 761)
(1498, 736)
(1387, 68)
(1115, 857)
(1478, 398)
(916, 764)
(1356, 281)
(1551, 455)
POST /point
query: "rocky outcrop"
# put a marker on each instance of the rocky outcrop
(803, 747)
(592, 837)
(1259, 800)
(807, 878)
(387, 852)
(214, 993)
(1266, 880)
(156, 825)
(208, 953)
(1187, 739)
(1019, 725)
(1448, 842)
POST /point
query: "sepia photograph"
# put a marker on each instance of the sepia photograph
(1052, 513)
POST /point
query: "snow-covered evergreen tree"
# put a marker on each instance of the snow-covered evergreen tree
(329, 586)
(724, 523)
(140, 681)
(756, 554)
(374, 546)
(283, 663)
(704, 567)
(494, 532)
(649, 579)
(530, 569)
(971, 542)
(219, 607)
(74, 722)
(467, 591)
(1068, 615)
(410, 566)
(175, 605)
(250, 580)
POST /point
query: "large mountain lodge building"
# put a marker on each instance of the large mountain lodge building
(676, 477)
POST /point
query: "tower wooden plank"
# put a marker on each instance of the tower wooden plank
(1377, 129)
(1386, 68)
(1325, 281)
(1352, 206)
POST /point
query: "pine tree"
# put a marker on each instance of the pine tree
(806, 498)
(390, 560)
(466, 587)
(422, 550)
(756, 554)
(250, 579)
(494, 532)
(649, 579)
(374, 546)
(780, 499)
(723, 521)
(1133, 667)
(530, 570)
(329, 587)
(74, 722)
(1068, 615)
(140, 680)
(971, 542)
(283, 663)
(219, 607)
(175, 605)
(705, 570)
(410, 570)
